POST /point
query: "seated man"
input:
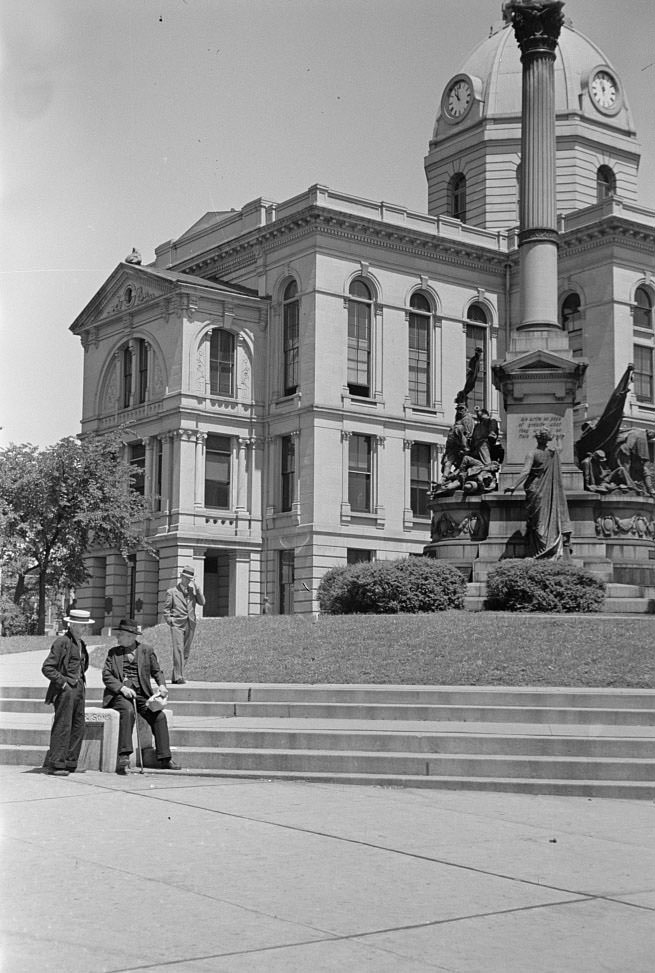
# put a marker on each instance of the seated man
(126, 674)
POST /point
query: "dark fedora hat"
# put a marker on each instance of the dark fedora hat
(128, 625)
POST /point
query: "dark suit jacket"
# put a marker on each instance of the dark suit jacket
(147, 666)
(55, 667)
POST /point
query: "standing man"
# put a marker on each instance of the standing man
(127, 674)
(180, 616)
(65, 666)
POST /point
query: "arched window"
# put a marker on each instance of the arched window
(643, 309)
(605, 183)
(127, 377)
(221, 362)
(570, 312)
(457, 197)
(420, 326)
(477, 337)
(290, 337)
(360, 305)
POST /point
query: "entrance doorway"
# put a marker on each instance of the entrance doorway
(217, 585)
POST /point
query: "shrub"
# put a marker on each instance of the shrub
(407, 585)
(529, 585)
(13, 619)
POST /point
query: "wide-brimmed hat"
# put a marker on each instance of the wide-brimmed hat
(128, 625)
(79, 617)
(188, 572)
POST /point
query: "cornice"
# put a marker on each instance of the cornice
(349, 227)
(615, 231)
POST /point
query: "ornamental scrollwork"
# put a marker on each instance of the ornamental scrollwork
(639, 525)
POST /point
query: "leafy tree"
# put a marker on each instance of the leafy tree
(58, 503)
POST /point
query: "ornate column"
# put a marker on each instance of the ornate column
(201, 438)
(408, 516)
(537, 25)
(379, 443)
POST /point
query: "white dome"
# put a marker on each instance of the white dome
(495, 68)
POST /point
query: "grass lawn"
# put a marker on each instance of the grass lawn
(444, 648)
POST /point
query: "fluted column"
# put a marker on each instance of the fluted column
(242, 445)
(537, 25)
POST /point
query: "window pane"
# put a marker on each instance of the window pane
(218, 462)
(359, 347)
(643, 373)
(221, 362)
(476, 337)
(127, 378)
(138, 465)
(643, 312)
(143, 370)
(419, 360)
(288, 471)
(420, 476)
(359, 473)
(291, 343)
(571, 311)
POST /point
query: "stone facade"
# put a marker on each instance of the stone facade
(285, 373)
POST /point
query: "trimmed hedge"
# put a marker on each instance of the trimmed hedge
(530, 585)
(407, 585)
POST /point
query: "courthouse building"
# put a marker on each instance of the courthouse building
(284, 373)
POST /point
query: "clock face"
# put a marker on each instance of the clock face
(604, 90)
(458, 98)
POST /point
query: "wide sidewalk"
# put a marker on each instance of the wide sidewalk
(165, 873)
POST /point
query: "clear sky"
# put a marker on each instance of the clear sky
(124, 121)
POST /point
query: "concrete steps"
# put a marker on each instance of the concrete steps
(526, 740)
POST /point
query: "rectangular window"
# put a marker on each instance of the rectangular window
(218, 462)
(643, 374)
(288, 471)
(357, 555)
(143, 371)
(476, 337)
(419, 360)
(359, 473)
(359, 348)
(138, 467)
(420, 477)
(287, 578)
(221, 362)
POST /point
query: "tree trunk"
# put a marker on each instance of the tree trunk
(19, 590)
(40, 625)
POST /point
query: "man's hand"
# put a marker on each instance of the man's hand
(163, 691)
(128, 693)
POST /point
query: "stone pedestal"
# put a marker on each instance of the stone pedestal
(100, 745)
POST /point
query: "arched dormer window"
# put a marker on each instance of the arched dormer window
(477, 336)
(570, 312)
(290, 337)
(221, 362)
(360, 311)
(126, 395)
(643, 309)
(457, 197)
(420, 327)
(605, 183)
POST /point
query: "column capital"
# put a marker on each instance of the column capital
(537, 24)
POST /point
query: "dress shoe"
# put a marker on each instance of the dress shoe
(123, 766)
(168, 765)
(58, 772)
(179, 682)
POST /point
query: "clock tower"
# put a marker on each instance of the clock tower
(473, 162)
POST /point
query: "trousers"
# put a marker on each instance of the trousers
(181, 639)
(156, 721)
(67, 731)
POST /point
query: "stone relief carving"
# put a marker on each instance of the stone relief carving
(475, 524)
(130, 297)
(639, 525)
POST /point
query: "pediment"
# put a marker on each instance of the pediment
(539, 360)
(128, 287)
(209, 219)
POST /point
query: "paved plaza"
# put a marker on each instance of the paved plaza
(176, 873)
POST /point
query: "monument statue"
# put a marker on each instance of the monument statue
(548, 525)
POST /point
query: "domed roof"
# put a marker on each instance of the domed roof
(495, 68)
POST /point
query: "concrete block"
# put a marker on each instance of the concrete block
(100, 745)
